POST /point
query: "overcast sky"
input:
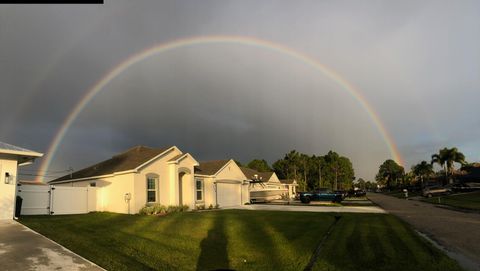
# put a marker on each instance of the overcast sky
(417, 63)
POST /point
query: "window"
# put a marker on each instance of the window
(151, 189)
(199, 189)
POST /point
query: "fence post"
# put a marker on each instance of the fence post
(50, 192)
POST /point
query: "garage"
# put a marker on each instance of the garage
(229, 194)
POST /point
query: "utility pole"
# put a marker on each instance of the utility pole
(305, 172)
(71, 172)
(319, 174)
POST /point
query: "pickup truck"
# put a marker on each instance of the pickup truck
(306, 197)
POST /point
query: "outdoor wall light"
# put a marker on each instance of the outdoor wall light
(7, 178)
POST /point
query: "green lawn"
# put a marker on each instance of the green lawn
(470, 201)
(242, 240)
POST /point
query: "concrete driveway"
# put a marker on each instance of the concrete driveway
(24, 249)
(312, 208)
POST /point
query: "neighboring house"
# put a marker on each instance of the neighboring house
(266, 186)
(11, 157)
(221, 182)
(291, 185)
(469, 173)
(142, 175)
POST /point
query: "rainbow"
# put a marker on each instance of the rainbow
(197, 40)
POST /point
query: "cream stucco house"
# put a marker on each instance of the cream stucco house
(265, 186)
(142, 175)
(11, 157)
(223, 182)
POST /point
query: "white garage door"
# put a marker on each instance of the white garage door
(228, 194)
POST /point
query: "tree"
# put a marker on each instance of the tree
(389, 172)
(422, 170)
(361, 184)
(371, 186)
(259, 165)
(288, 168)
(313, 172)
(446, 158)
(338, 171)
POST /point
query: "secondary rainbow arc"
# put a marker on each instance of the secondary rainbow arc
(197, 40)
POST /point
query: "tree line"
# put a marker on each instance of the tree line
(311, 172)
(391, 174)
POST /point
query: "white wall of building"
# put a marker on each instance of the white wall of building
(7, 191)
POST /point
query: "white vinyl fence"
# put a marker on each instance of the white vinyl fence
(56, 200)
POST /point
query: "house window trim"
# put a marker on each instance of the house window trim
(203, 190)
(157, 198)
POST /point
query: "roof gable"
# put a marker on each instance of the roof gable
(210, 167)
(250, 173)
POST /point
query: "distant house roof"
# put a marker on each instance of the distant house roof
(210, 167)
(287, 181)
(24, 155)
(128, 160)
(250, 173)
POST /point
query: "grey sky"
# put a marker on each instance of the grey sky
(416, 62)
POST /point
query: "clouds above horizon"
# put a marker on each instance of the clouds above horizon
(417, 64)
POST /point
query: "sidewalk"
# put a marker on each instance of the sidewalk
(24, 249)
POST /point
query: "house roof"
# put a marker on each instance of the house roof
(249, 173)
(128, 160)
(287, 181)
(24, 154)
(210, 167)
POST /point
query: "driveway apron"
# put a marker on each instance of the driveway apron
(24, 249)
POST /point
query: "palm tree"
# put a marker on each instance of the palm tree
(446, 158)
(423, 169)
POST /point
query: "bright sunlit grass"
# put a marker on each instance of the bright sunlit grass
(241, 240)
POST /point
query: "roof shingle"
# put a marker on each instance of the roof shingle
(128, 160)
(249, 173)
(210, 167)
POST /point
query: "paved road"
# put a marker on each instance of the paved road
(458, 232)
(23, 249)
(312, 208)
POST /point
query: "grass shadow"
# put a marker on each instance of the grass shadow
(213, 249)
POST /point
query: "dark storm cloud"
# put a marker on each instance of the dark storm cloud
(416, 63)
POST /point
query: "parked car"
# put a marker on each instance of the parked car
(306, 197)
(431, 191)
(356, 193)
(340, 192)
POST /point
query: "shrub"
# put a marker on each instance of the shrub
(156, 208)
(200, 207)
(210, 207)
(217, 206)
